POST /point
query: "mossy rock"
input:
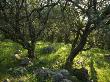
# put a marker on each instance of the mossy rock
(48, 50)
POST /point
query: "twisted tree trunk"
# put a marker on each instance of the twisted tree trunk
(74, 52)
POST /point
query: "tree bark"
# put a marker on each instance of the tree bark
(74, 52)
(31, 51)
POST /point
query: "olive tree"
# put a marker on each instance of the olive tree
(22, 21)
(96, 14)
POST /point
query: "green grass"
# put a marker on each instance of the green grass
(54, 60)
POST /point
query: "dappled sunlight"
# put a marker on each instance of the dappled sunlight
(101, 66)
(56, 59)
(54, 40)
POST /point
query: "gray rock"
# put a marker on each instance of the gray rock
(25, 62)
(48, 71)
(48, 49)
(65, 73)
(58, 77)
(42, 72)
(66, 80)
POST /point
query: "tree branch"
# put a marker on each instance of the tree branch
(82, 9)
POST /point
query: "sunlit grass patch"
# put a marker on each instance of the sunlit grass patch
(100, 65)
(54, 60)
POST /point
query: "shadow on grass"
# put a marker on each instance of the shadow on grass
(4, 69)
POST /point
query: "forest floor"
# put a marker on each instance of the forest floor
(99, 70)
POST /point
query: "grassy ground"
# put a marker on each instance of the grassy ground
(92, 59)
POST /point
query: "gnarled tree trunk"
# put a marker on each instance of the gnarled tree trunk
(74, 52)
(31, 51)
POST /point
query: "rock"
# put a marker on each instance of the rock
(41, 72)
(48, 71)
(66, 80)
(47, 50)
(17, 56)
(25, 62)
(58, 77)
(65, 73)
(44, 72)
